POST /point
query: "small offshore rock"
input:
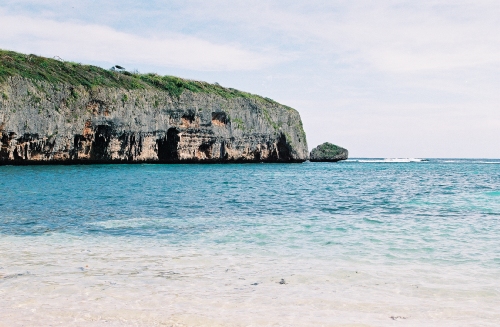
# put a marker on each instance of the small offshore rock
(328, 152)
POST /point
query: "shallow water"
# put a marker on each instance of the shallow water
(345, 244)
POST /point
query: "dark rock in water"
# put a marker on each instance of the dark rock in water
(328, 152)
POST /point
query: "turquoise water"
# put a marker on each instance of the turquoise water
(429, 230)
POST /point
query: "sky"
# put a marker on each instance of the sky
(380, 78)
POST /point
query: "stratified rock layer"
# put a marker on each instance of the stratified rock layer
(42, 122)
(328, 152)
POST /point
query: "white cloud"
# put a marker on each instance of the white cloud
(390, 36)
(75, 41)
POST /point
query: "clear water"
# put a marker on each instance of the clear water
(356, 243)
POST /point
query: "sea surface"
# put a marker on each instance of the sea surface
(365, 242)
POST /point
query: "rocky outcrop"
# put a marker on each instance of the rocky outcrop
(328, 152)
(46, 122)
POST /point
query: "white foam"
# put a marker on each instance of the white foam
(469, 161)
(127, 223)
(393, 160)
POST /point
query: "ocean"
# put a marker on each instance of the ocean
(363, 242)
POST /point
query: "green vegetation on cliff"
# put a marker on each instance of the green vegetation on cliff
(57, 71)
(329, 149)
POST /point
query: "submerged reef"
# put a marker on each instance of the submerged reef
(328, 152)
(53, 111)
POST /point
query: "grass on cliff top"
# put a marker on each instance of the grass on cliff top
(57, 71)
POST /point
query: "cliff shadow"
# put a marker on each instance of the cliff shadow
(167, 146)
(283, 151)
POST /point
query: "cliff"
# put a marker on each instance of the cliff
(53, 111)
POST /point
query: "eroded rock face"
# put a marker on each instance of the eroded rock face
(47, 123)
(328, 152)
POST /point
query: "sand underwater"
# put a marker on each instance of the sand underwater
(357, 243)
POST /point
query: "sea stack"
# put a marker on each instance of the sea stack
(53, 111)
(328, 152)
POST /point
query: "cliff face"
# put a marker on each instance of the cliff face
(47, 122)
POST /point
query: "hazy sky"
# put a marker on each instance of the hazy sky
(381, 78)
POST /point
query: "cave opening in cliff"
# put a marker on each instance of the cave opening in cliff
(219, 118)
(101, 142)
(206, 149)
(284, 151)
(168, 145)
(188, 119)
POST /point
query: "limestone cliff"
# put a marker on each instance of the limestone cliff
(58, 112)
